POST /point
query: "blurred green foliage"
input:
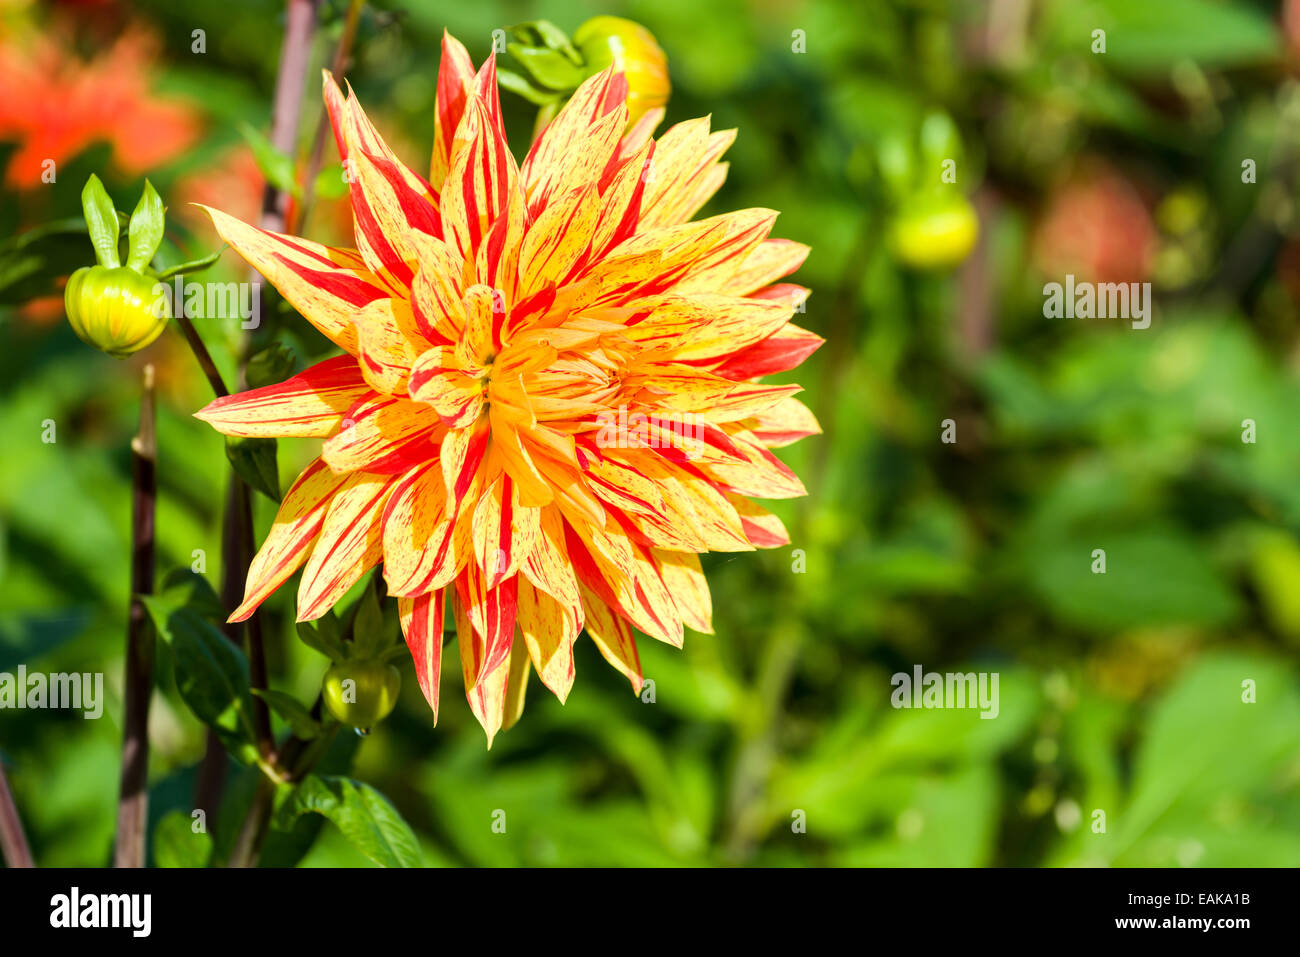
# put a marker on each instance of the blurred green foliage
(773, 741)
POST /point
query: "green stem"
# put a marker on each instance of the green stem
(757, 750)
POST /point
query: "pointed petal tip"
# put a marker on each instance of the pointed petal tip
(311, 613)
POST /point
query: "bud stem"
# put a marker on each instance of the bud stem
(133, 805)
(13, 842)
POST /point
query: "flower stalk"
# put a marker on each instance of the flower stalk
(342, 55)
(13, 842)
(134, 801)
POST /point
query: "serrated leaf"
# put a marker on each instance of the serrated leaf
(364, 816)
(254, 460)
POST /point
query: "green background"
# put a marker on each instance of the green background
(772, 742)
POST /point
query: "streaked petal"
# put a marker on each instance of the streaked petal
(348, 546)
(311, 404)
(549, 629)
(326, 285)
(613, 638)
(384, 434)
(292, 535)
(421, 619)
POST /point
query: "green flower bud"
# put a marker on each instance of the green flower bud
(116, 310)
(936, 231)
(632, 48)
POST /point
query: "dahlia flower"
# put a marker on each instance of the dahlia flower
(548, 402)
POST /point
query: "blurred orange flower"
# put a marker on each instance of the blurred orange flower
(1096, 227)
(56, 104)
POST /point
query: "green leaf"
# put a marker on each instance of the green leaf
(940, 141)
(275, 166)
(75, 225)
(549, 68)
(897, 165)
(364, 816)
(331, 182)
(27, 635)
(101, 220)
(520, 85)
(176, 844)
(368, 633)
(146, 228)
(211, 672)
(292, 711)
(1153, 576)
(193, 265)
(255, 462)
(537, 33)
(1206, 778)
(1153, 36)
(273, 364)
(323, 635)
(182, 588)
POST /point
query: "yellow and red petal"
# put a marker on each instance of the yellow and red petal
(480, 181)
(388, 344)
(417, 535)
(516, 686)
(393, 207)
(781, 351)
(455, 81)
(761, 527)
(786, 422)
(573, 149)
(767, 262)
(549, 629)
(463, 451)
(503, 531)
(326, 285)
(685, 172)
(421, 619)
(349, 543)
(547, 566)
(760, 475)
(439, 381)
(292, 535)
(485, 689)
(383, 434)
(491, 610)
(310, 404)
(685, 579)
(613, 637)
